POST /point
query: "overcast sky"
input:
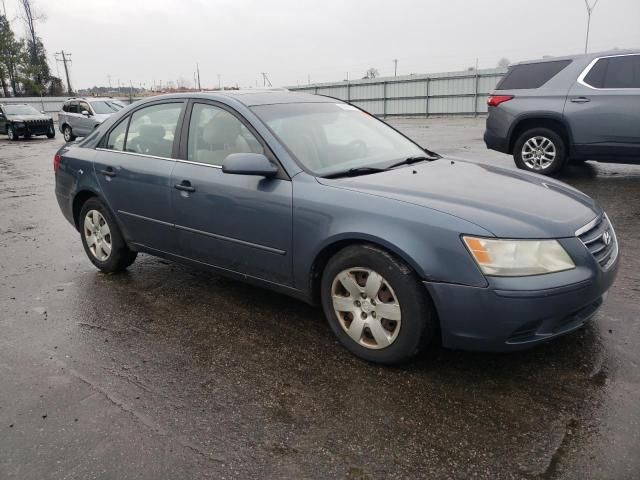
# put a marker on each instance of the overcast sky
(143, 41)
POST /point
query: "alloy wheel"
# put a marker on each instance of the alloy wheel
(97, 235)
(538, 153)
(367, 308)
(11, 133)
(67, 134)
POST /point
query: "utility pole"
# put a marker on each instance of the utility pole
(198, 75)
(219, 83)
(395, 67)
(265, 80)
(109, 78)
(65, 59)
(590, 9)
(4, 9)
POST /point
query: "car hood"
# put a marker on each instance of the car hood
(508, 203)
(101, 117)
(26, 118)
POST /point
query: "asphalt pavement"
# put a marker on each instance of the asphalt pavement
(166, 372)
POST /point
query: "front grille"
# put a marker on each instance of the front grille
(600, 239)
(38, 126)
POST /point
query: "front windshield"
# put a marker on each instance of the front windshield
(20, 110)
(105, 107)
(328, 138)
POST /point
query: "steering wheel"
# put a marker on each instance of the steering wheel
(359, 148)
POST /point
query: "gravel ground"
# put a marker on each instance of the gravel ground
(169, 372)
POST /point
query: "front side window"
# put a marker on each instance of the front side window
(327, 138)
(152, 130)
(531, 75)
(615, 72)
(215, 133)
(84, 107)
(115, 140)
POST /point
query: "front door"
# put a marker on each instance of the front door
(603, 108)
(134, 168)
(241, 223)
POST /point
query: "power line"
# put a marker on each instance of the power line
(65, 60)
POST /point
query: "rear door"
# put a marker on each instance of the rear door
(240, 223)
(133, 165)
(603, 108)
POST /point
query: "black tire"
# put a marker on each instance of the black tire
(11, 133)
(555, 139)
(68, 134)
(418, 322)
(121, 256)
(51, 134)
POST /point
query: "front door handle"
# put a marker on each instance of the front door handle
(108, 172)
(580, 100)
(185, 186)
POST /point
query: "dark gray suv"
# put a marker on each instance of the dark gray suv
(582, 107)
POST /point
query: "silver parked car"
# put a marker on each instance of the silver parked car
(581, 107)
(79, 116)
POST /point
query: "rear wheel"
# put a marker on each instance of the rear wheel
(540, 150)
(11, 133)
(68, 134)
(376, 305)
(101, 238)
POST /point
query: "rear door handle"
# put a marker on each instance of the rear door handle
(108, 172)
(580, 100)
(185, 186)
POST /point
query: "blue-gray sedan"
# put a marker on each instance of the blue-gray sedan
(319, 200)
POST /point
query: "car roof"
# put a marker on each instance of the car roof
(251, 97)
(579, 56)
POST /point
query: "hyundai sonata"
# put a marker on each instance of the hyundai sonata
(317, 199)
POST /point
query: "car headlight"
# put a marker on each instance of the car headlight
(518, 258)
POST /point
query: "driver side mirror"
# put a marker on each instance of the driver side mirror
(85, 113)
(249, 164)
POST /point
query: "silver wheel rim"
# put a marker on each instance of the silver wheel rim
(538, 153)
(67, 134)
(367, 307)
(97, 235)
(10, 133)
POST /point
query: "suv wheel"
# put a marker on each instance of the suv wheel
(540, 150)
(11, 133)
(101, 238)
(68, 134)
(375, 305)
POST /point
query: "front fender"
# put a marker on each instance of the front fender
(427, 240)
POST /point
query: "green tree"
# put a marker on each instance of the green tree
(11, 58)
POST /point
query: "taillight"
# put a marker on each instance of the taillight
(56, 163)
(495, 100)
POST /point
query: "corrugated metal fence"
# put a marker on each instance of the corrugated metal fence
(450, 93)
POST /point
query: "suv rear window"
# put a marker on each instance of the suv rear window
(615, 72)
(531, 75)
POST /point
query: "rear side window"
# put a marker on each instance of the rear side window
(73, 107)
(115, 140)
(615, 72)
(531, 75)
(152, 130)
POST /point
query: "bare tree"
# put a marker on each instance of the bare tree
(504, 62)
(590, 9)
(183, 83)
(372, 73)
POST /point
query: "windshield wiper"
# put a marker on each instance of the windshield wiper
(353, 172)
(414, 159)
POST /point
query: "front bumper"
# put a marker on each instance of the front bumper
(515, 314)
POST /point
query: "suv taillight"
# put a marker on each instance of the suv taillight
(56, 163)
(495, 100)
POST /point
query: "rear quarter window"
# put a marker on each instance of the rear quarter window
(615, 72)
(531, 75)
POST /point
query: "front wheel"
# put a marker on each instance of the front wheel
(540, 150)
(376, 305)
(101, 238)
(51, 133)
(11, 133)
(68, 134)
